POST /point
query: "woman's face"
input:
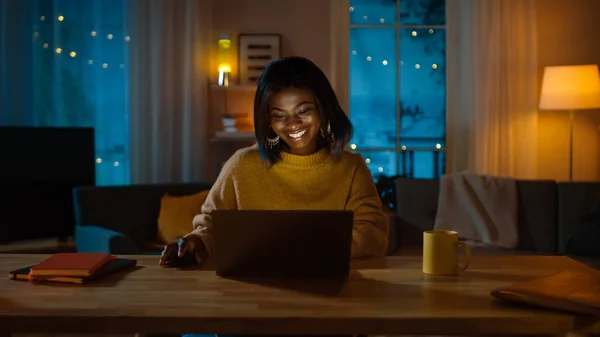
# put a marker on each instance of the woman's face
(295, 119)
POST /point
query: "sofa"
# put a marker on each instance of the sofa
(123, 219)
(550, 214)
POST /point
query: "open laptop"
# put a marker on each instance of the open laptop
(254, 243)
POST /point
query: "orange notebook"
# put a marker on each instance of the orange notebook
(71, 264)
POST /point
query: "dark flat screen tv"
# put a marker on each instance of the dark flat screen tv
(39, 167)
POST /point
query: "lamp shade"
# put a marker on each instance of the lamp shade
(570, 88)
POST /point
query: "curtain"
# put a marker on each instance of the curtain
(492, 122)
(64, 63)
(168, 83)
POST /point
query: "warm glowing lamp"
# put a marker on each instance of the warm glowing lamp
(224, 73)
(224, 66)
(570, 88)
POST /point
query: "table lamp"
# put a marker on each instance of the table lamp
(570, 88)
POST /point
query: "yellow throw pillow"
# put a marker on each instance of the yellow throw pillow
(177, 213)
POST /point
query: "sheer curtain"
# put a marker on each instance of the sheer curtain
(492, 64)
(65, 63)
(169, 77)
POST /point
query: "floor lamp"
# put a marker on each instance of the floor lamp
(570, 88)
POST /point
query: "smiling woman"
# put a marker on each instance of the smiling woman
(299, 163)
(297, 111)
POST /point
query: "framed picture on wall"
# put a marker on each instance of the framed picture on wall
(255, 51)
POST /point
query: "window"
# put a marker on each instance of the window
(397, 85)
(75, 55)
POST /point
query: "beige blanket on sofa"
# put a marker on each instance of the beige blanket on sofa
(482, 209)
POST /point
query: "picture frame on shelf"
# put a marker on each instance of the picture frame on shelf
(255, 52)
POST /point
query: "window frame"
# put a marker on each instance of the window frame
(340, 70)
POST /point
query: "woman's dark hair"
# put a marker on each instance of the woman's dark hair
(299, 73)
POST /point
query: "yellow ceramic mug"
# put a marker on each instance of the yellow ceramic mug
(440, 253)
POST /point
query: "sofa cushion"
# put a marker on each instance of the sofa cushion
(417, 201)
(537, 211)
(132, 210)
(576, 204)
(177, 213)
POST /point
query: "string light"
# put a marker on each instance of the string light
(354, 52)
(381, 20)
(418, 66)
(414, 33)
(365, 17)
(385, 62)
(368, 58)
(73, 54)
(438, 146)
(367, 160)
(434, 66)
(353, 146)
(380, 169)
(431, 30)
(351, 9)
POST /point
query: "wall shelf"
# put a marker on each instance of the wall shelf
(225, 136)
(234, 87)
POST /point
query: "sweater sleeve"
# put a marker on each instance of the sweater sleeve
(222, 196)
(371, 227)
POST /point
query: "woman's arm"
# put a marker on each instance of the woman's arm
(371, 227)
(222, 196)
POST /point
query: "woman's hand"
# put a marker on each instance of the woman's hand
(183, 252)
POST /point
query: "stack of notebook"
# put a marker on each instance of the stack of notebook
(73, 268)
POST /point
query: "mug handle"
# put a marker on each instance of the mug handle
(467, 251)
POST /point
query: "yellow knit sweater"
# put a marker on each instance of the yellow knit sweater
(313, 182)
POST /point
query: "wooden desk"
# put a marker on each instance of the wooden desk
(387, 296)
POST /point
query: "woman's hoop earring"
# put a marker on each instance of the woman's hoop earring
(328, 131)
(272, 142)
